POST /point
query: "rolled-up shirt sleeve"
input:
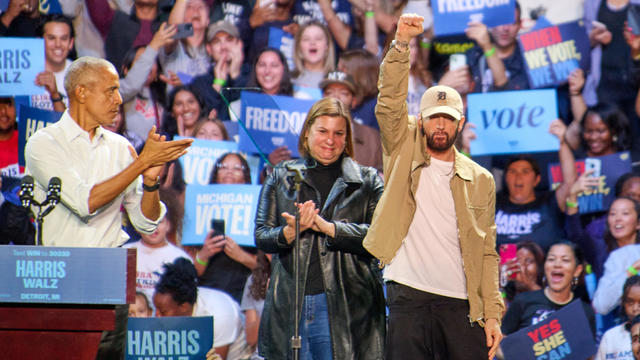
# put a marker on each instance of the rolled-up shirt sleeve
(132, 198)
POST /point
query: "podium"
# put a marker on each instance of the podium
(56, 302)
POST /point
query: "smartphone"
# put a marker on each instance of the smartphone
(598, 24)
(593, 164)
(507, 253)
(217, 225)
(457, 61)
(184, 31)
(633, 19)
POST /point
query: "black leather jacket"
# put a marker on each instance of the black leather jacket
(352, 281)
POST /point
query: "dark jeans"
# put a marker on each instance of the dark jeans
(423, 325)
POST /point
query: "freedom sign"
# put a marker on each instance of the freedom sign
(271, 121)
(552, 53)
(177, 338)
(608, 168)
(451, 17)
(564, 335)
(31, 120)
(235, 204)
(513, 122)
(21, 61)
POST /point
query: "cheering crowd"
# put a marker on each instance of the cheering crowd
(410, 245)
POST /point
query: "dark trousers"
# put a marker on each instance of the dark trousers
(423, 325)
(112, 343)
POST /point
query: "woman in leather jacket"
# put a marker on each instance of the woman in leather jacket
(342, 313)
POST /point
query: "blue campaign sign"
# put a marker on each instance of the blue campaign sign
(22, 61)
(553, 52)
(513, 121)
(565, 334)
(452, 16)
(4, 4)
(177, 338)
(200, 158)
(197, 164)
(608, 168)
(31, 120)
(271, 121)
(283, 41)
(235, 204)
(63, 275)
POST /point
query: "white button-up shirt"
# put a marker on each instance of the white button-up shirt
(65, 150)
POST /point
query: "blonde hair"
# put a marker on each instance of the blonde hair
(329, 60)
(325, 107)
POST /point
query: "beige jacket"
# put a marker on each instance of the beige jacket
(473, 189)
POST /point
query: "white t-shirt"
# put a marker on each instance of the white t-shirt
(228, 327)
(615, 345)
(429, 258)
(149, 264)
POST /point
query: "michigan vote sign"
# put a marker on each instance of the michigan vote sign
(235, 204)
(21, 60)
(552, 53)
(452, 16)
(513, 122)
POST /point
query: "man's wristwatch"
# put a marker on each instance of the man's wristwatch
(401, 46)
(153, 187)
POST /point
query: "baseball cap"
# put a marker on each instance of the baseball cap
(441, 99)
(223, 26)
(338, 77)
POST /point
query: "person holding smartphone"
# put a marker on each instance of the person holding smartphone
(222, 263)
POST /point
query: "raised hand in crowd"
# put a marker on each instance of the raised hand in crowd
(16, 7)
(479, 33)
(212, 245)
(632, 40)
(578, 107)
(458, 79)
(164, 36)
(263, 12)
(279, 154)
(468, 135)
(409, 26)
(48, 81)
(291, 28)
(635, 265)
(236, 54)
(599, 35)
(585, 183)
(172, 79)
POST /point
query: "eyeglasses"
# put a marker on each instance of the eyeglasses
(233, 168)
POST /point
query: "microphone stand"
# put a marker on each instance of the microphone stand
(296, 340)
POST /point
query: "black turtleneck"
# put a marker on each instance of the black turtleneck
(322, 178)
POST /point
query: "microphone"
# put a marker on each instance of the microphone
(26, 191)
(297, 169)
(53, 191)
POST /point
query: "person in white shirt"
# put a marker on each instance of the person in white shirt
(99, 170)
(615, 344)
(177, 294)
(621, 264)
(58, 35)
(154, 250)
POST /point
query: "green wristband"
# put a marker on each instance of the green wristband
(220, 82)
(425, 44)
(369, 14)
(200, 261)
(490, 52)
(632, 270)
(571, 204)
